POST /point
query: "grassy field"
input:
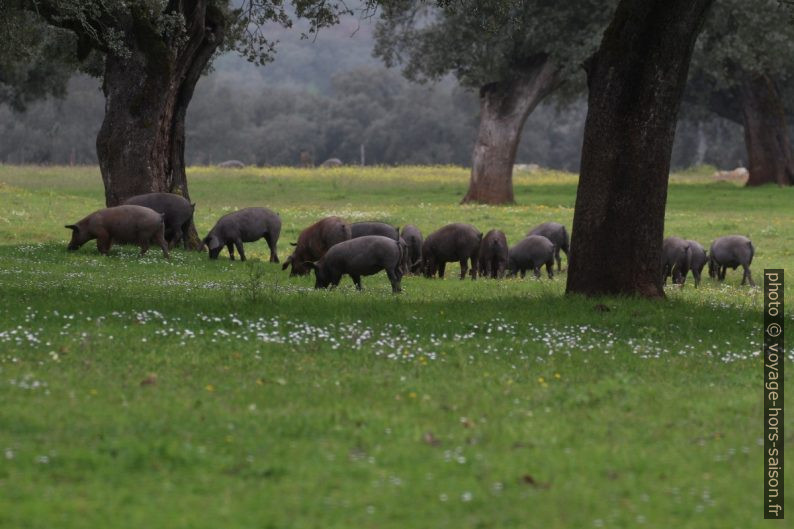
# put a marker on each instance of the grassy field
(139, 392)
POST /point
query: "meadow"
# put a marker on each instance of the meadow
(188, 393)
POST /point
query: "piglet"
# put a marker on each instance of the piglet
(557, 234)
(531, 253)
(453, 242)
(493, 254)
(314, 241)
(121, 224)
(413, 240)
(697, 260)
(729, 252)
(362, 256)
(675, 259)
(245, 225)
(360, 229)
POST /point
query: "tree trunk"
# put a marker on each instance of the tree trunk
(636, 80)
(765, 132)
(141, 144)
(504, 107)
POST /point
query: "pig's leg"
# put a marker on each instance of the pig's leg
(536, 270)
(441, 267)
(550, 269)
(272, 246)
(399, 271)
(176, 238)
(159, 239)
(357, 280)
(185, 231)
(394, 279)
(230, 247)
(144, 244)
(463, 268)
(747, 276)
(239, 244)
(103, 243)
(473, 267)
(557, 258)
(696, 275)
(723, 270)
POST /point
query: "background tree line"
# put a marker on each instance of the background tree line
(328, 97)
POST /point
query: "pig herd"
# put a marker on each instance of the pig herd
(332, 247)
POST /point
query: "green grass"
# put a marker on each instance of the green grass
(140, 392)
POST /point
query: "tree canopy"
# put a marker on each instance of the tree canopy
(754, 36)
(36, 60)
(481, 42)
(46, 41)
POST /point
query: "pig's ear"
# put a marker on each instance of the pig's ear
(193, 206)
(71, 226)
(287, 263)
(309, 264)
(293, 244)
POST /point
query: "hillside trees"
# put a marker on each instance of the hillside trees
(742, 72)
(514, 53)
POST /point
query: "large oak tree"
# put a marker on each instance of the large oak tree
(514, 52)
(636, 81)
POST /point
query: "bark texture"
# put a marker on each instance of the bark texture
(636, 81)
(504, 108)
(141, 143)
(765, 132)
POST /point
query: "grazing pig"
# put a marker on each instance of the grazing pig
(360, 229)
(245, 225)
(177, 213)
(413, 241)
(675, 259)
(697, 260)
(331, 162)
(314, 241)
(493, 254)
(558, 235)
(731, 251)
(231, 164)
(362, 256)
(121, 224)
(454, 242)
(532, 252)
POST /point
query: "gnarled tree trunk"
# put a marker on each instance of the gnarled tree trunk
(765, 132)
(504, 108)
(141, 144)
(636, 80)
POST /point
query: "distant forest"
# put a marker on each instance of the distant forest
(328, 97)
